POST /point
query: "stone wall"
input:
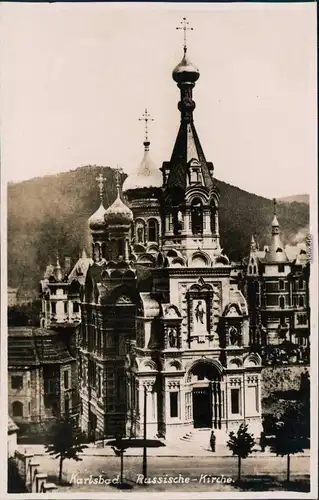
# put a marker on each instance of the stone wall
(281, 378)
(30, 473)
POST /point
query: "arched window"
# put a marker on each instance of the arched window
(197, 216)
(301, 301)
(17, 409)
(250, 270)
(301, 284)
(255, 269)
(282, 302)
(152, 230)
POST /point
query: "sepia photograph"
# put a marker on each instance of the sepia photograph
(159, 305)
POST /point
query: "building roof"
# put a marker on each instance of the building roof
(118, 213)
(96, 221)
(52, 350)
(22, 351)
(35, 347)
(147, 175)
(80, 269)
(12, 426)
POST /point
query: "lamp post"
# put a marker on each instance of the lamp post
(144, 434)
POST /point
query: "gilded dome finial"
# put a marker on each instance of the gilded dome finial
(184, 27)
(185, 73)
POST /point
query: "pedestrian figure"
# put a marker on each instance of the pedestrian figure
(262, 441)
(213, 441)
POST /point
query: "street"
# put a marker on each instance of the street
(172, 473)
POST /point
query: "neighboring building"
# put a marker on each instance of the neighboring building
(12, 296)
(278, 296)
(12, 437)
(163, 315)
(42, 376)
(60, 301)
(18, 297)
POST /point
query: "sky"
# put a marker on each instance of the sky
(77, 77)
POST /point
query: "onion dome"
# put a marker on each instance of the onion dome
(96, 221)
(185, 71)
(147, 175)
(118, 214)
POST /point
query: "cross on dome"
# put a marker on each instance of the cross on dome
(118, 173)
(275, 205)
(100, 182)
(185, 28)
(146, 117)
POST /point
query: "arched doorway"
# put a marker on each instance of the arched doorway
(204, 380)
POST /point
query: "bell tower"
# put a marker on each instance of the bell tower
(191, 197)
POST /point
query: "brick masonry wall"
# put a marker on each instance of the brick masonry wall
(281, 379)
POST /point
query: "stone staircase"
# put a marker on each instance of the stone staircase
(201, 438)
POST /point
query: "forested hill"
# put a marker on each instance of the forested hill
(50, 214)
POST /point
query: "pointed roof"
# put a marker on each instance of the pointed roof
(276, 249)
(187, 148)
(253, 245)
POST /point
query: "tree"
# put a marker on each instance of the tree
(241, 444)
(25, 314)
(289, 435)
(66, 441)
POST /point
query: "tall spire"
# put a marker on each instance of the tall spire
(275, 223)
(187, 146)
(276, 250)
(253, 245)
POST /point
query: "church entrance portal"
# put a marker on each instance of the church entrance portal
(207, 397)
(202, 409)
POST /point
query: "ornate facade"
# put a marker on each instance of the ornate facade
(164, 319)
(277, 281)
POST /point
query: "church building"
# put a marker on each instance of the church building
(165, 329)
